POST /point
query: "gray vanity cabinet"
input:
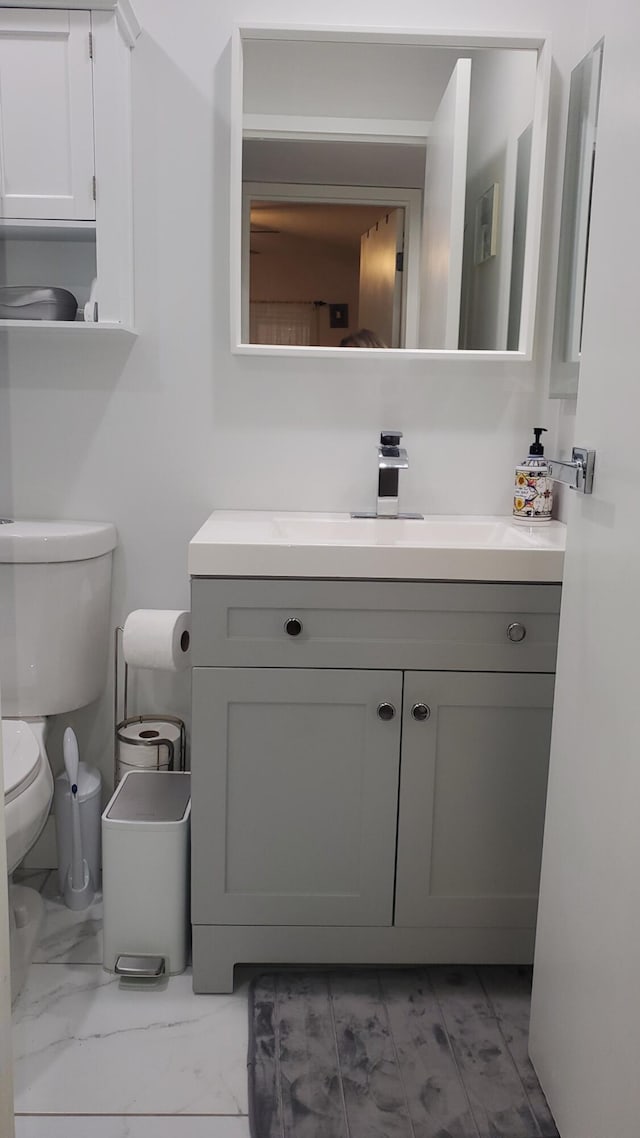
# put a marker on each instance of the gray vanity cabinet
(369, 770)
(295, 788)
(472, 798)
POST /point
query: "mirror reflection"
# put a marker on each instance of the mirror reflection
(580, 156)
(386, 187)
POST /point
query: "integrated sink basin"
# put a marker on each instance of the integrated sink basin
(247, 543)
(435, 531)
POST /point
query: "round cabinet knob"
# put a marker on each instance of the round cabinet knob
(293, 626)
(421, 712)
(516, 632)
(386, 711)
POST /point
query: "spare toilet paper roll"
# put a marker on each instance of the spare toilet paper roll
(157, 638)
(148, 754)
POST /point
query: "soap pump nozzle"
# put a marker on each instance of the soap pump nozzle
(537, 447)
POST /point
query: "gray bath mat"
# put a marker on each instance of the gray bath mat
(437, 1052)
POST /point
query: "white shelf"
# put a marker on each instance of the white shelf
(75, 327)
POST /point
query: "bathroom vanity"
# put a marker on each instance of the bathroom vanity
(371, 725)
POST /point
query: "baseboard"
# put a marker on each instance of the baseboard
(217, 948)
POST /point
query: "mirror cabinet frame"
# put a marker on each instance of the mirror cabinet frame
(577, 185)
(395, 36)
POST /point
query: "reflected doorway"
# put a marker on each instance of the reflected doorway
(320, 270)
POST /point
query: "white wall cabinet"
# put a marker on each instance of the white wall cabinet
(46, 115)
(344, 811)
(65, 158)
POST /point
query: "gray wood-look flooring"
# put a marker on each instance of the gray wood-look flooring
(437, 1052)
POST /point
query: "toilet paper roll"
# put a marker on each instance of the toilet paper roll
(157, 638)
(148, 754)
(124, 767)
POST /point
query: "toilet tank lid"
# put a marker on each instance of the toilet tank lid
(23, 542)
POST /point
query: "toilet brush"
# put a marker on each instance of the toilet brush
(78, 887)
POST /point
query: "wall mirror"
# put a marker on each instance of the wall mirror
(386, 180)
(579, 165)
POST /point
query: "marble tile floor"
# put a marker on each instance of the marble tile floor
(95, 1058)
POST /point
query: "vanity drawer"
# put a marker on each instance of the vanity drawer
(457, 626)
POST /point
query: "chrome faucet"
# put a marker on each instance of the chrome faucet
(392, 458)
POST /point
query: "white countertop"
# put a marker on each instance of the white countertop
(261, 543)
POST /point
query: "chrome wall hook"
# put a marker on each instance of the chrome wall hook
(577, 474)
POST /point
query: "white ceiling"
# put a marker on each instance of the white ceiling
(334, 223)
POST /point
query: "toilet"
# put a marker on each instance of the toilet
(55, 592)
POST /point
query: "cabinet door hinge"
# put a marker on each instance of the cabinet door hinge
(93, 187)
(90, 45)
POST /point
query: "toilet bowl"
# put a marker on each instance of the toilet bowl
(55, 589)
(28, 790)
(28, 785)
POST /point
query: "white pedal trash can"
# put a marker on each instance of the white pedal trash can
(145, 874)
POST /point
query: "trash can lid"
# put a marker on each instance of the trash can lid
(151, 796)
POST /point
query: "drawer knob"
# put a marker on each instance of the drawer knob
(386, 711)
(516, 632)
(293, 626)
(421, 712)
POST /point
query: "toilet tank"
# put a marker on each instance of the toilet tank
(55, 593)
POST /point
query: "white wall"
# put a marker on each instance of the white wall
(154, 435)
(294, 267)
(355, 80)
(333, 163)
(68, 264)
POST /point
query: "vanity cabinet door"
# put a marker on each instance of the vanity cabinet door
(46, 115)
(294, 796)
(472, 798)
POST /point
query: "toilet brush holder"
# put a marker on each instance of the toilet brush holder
(143, 742)
(89, 806)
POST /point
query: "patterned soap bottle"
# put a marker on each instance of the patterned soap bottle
(533, 491)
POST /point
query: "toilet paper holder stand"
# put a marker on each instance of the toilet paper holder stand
(176, 762)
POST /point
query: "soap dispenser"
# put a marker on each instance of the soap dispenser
(533, 492)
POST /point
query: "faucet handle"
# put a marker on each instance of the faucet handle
(390, 438)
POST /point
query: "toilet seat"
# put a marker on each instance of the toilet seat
(22, 759)
(28, 785)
